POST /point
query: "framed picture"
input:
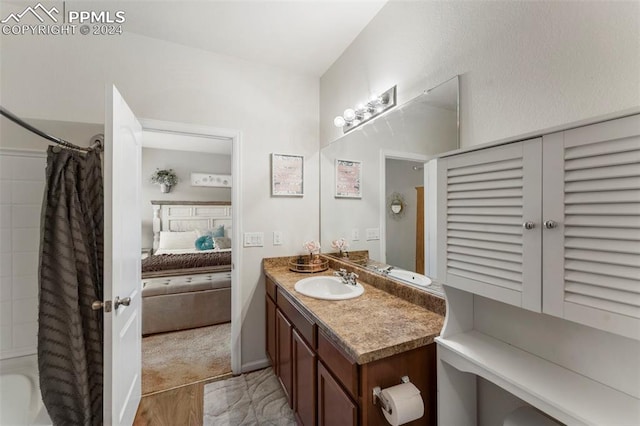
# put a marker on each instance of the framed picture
(348, 179)
(287, 175)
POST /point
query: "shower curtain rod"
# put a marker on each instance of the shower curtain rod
(62, 142)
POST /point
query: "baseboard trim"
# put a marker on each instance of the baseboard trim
(256, 365)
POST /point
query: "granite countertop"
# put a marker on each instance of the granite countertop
(371, 327)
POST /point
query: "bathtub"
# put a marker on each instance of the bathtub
(20, 401)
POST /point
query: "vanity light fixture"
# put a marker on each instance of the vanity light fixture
(377, 104)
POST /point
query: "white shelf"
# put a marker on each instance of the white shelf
(561, 393)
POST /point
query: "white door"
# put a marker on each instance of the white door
(122, 323)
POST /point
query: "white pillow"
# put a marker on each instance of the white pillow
(177, 240)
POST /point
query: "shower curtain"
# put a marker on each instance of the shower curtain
(70, 338)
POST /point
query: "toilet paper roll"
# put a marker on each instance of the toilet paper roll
(405, 402)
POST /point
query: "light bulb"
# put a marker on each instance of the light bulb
(338, 121)
(379, 108)
(349, 114)
(360, 107)
(374, 99)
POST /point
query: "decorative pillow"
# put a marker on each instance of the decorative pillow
(222, 242)
(205, 243)
(217, 231)
(176, 240)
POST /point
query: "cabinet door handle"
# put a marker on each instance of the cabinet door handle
(550, 224)
(529, 225)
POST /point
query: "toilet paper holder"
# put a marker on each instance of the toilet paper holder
(377, 395)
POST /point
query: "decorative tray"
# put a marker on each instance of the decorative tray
(306, 267)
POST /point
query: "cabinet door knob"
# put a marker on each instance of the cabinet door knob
(550, 224)
(529, 225)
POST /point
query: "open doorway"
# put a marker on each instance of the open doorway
(188, 254)
(402, 236)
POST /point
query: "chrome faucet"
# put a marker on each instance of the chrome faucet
(386, 269)
(347, 277)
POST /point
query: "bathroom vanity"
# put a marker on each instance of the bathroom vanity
(330, 355)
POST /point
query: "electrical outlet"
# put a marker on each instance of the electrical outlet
(277, 238)
(355, 234)
(254, 239)
(373, 234)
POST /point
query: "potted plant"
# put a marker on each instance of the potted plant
(166, 178)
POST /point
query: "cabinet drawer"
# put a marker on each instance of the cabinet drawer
(342, 368)
(270, 288)
(305, 326)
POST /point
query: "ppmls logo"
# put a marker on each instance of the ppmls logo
(40, 20)
(16, 17)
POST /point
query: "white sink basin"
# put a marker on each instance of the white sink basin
(328, 288)
(410, 277)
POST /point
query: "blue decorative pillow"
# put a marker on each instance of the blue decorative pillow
(205, 243)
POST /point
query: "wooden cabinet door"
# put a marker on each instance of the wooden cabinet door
(591, 251)
(334, 405)
(271, 332)
(284, 359)
(304, 381)
(489, 222)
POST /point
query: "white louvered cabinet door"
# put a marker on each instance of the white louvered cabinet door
(485, 200)
(591, 258)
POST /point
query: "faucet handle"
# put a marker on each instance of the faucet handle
(340, 272)
(354, 275)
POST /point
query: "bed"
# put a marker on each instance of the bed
(183, 287)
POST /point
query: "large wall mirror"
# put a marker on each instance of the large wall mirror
(383, 164)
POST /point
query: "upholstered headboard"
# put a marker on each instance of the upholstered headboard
(189, 215)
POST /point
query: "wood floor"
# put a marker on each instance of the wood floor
(179, 406)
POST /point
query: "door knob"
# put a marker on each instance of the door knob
(99, 304)
(550, 224)
(124, 301)
(529, 225)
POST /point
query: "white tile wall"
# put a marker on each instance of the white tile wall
(21, 189)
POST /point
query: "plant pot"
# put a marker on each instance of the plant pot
(164, 188)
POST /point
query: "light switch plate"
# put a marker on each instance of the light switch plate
(373, 234)
(355, 234)
(254, 239)
(277, 238)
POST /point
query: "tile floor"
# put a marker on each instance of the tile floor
(250, 399)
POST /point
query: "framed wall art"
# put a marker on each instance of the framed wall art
(348, 179)
(287, 175)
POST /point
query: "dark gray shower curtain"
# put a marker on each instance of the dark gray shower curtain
(70, 343)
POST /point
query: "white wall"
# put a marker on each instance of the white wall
(63, 78)
(22, 176)
(401, 232)
(525, 66)
(183, 163)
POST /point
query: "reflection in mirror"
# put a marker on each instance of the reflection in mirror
(396, 205)
(388, 218)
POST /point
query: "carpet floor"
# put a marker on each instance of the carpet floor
(178, 358)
